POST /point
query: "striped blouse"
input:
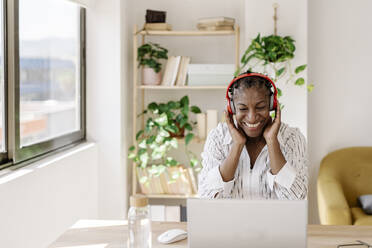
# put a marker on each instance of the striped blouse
(291, 182)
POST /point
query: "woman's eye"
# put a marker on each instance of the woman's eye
(242, 109)
(260, 107)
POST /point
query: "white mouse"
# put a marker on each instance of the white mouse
(172, 235)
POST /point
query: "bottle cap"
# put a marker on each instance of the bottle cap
(138, 200)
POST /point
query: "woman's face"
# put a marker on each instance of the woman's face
(252, 110)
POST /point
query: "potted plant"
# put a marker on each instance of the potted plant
(272, 55)
(149, 55)
(164, 122)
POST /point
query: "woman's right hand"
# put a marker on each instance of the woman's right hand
(236, 133)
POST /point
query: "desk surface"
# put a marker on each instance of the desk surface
(113, 234)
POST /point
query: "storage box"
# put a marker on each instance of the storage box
(210, 74)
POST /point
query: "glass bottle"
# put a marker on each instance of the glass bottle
(139, 223)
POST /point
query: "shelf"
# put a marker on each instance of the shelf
(160, 87)
(169, 196)
(186, 33)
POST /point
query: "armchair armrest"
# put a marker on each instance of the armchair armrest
(333, 207)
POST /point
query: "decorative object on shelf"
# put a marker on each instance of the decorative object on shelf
(149, 55)
(215, 23)
(164, 122)
(272, 55)
(209, 74)
(201, 123)
(211, 119)
(155, 16)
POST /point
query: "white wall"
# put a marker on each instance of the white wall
(40, 201)
(292, 21)
(90, 182)
(340, 56)
(106, 111)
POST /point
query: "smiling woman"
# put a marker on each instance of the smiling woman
(252, 156)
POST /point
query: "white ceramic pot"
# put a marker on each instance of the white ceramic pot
(150, 77)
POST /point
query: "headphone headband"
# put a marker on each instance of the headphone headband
(273, 102)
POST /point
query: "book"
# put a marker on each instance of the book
(215, 28)
(172, 213)
(158, 26)
(218, 19)
(171, 71)
(157, 212)
(182, 72)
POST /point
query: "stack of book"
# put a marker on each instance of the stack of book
(175, 180)
(175, 71)
(216, 23)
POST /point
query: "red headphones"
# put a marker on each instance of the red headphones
(229, 92)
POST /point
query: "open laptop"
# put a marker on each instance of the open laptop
(236, 223)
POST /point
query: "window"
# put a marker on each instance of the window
(47, 77)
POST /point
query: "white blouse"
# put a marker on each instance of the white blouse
(257, 183)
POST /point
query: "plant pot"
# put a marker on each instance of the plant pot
(150, 77)
(181, 132)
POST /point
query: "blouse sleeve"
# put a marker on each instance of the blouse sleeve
(211, 184)
(291, 182)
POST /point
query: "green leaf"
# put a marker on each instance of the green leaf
(184, 101)
(188, 126)
(139, 134)
(310, 88)
(183, 122)
(279, 92)
(172, 105)
(171, 162)
(162, 120)
(150, 140)
(131, 149)
(152, 106)
(280, 71)
(142, 144)
(300, 81)
(194, 162)
(174, 143)
(300, 68)
(188, 138)
(195, 109)
(131, 155)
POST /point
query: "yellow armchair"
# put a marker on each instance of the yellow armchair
(344, 175)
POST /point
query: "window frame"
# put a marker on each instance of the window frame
(4, 155)
(16, 153)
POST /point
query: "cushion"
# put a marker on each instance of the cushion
(365, 202)
(360, 218)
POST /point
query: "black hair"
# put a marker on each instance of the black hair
(252, 81)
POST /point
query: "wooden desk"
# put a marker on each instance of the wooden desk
(113, 234)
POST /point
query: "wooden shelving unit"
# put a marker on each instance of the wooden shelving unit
(139, 90)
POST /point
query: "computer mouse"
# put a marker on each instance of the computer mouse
(172, 235)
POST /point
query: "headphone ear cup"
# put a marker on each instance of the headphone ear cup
(271, 102)
(232, 106)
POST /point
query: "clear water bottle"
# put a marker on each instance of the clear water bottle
(139, 223)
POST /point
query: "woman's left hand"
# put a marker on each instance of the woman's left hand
(272, 129)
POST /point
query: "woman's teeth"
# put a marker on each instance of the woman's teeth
(251, 125)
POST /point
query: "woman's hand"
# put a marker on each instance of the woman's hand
(272, 129)
(236, 133)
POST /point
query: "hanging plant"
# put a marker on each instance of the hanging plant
(272, 55)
